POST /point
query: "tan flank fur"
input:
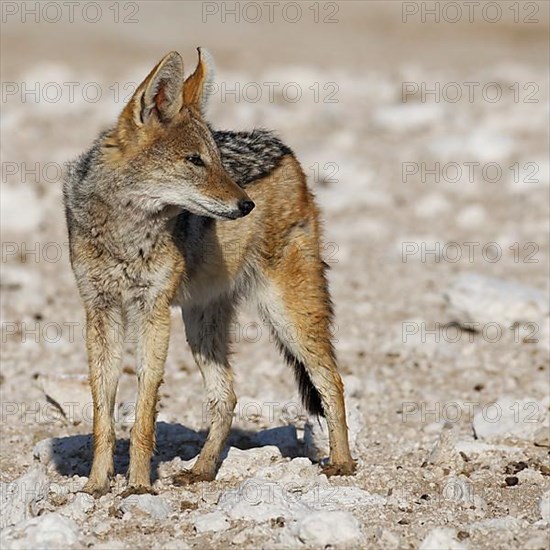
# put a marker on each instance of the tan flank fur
(156, 220)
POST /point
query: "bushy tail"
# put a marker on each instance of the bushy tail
(308, 392)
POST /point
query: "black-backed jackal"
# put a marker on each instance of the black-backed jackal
(148, 212)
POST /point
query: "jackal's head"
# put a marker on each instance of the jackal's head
(162, 151)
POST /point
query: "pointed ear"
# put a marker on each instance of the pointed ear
(198, 86)
(158, 96)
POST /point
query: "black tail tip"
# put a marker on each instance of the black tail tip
(310, 396)
(308, 392)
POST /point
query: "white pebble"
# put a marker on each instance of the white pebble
(441, 539)
(214, 521)
(323, 528)
(155, 506)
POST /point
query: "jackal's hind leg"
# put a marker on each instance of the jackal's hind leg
(297, 305)
(208, 335)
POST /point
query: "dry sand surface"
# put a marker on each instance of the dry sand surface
(436, 231)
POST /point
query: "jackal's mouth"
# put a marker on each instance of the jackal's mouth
(212, 212)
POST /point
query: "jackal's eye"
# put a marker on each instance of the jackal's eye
(195, 159)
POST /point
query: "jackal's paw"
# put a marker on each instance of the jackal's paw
(344, 469)
(187, 477)
(96, 489)
(138, 490)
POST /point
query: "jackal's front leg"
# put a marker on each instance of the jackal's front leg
(104, 338)
(154, 331)
(208, 335)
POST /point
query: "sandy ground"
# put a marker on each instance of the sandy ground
(436, 231)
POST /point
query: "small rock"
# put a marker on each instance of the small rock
(505, 523)
(328, 528)
(531, 476)
(100, 528)
(441, 539)
(239, 463)
(50, 531)
(261, 500)
(297, 476)
(18, 499)
(508, 417)
(78, 509)
(214, 521)
(154, 506)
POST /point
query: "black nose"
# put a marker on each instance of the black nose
(246, 207)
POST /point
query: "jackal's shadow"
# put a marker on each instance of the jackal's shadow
(72, 455)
